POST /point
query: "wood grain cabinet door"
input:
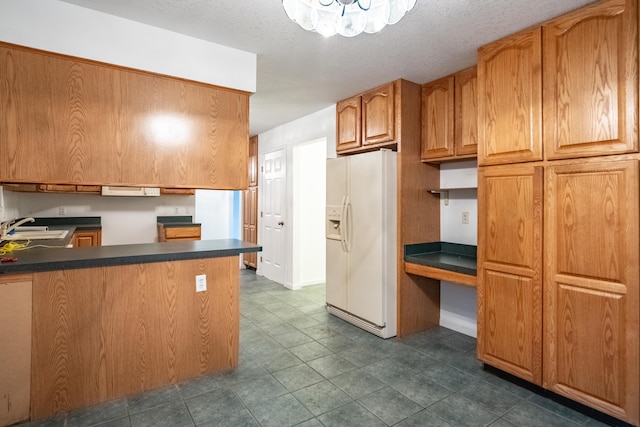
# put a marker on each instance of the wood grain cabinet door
(378, 115)
(437, 119)
(510, 269)
(590, 81)
(253, 161)
(591, 284)
(466, 113)
(510, 99)
(348, 124)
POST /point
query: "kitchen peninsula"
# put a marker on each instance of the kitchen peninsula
(87, 325)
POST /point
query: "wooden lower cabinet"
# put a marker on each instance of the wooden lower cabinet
(86, 238)
(15, 348)
(109, 332)
(510, 269)
(591, 285)
(581, 281)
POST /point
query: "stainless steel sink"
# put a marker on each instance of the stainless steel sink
(37, 235)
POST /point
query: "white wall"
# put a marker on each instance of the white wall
(458, 302)
(318, 125)
(214, 209)
(64, 28)
(130, 220)
(309, 205)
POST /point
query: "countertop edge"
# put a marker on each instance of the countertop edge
(37, 260)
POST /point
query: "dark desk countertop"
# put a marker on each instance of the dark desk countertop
(48, 259)
(446, 256)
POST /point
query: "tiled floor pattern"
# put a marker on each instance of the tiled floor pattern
(300, 366)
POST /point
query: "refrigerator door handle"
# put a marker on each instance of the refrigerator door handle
(347, 222)
(343, 224)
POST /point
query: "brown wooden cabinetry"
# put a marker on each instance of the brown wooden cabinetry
(589, 298)
(250, 224)
(449, 117)
(590, 93)
(15, 357)
(74, 121)
(85, 238)
(250, 205)
(169, 233)
(591, 284)
(367, 121)
(510, 269)
(253, 161)
(510, 99)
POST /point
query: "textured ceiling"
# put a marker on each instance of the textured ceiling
(300, 72)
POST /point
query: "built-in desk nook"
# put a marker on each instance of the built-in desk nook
(442, 261)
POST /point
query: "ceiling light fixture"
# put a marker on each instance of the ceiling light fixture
(346, 17)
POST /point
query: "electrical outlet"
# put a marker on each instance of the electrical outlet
(177, 211)
(465, 217)
(62, 210)
(201, 282)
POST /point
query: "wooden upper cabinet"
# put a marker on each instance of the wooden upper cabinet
(466, 113)
(449, 117)
(510, 99)
(591, 284)
(510, 269)
(349, 124)
(590, 81)
(253, 161)
(75, 121)
(378, 115)
(438, 119)
(367, 121)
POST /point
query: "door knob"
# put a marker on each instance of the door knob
(281, 223)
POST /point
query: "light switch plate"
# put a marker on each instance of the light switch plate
(201, 282)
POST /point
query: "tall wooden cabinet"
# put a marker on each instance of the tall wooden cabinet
(591, 283)
(250, 205)
(562, 258)
(510, 277)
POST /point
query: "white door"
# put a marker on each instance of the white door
(273, 203)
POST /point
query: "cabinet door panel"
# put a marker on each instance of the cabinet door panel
(437, 119)
(253, 161)
(348, 122)
(74, 121)
(466, 114)
(590, 96)
(510, 99)
(591, 284)
(378, 115)
(510, 265)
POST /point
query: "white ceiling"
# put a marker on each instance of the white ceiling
(300, 72)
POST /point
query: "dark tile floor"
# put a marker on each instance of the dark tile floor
(300, 366)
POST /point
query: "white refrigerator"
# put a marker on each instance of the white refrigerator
(361, 234)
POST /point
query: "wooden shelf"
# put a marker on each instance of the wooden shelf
(440, 274)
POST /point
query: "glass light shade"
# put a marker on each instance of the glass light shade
(346, 17)
(351, 23)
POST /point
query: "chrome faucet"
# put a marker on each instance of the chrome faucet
(8, 226)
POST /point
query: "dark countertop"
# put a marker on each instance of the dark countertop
(177, 221)
(443, 255)
(47, 259)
